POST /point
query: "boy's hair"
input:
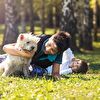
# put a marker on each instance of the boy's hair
(83, 67)
(62, 40)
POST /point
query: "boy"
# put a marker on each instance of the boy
(70, 64)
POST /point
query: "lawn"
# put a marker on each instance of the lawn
(73, 87)
(70, 87)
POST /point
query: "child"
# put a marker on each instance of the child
(70, 64)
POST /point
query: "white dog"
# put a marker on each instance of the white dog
(12, 63)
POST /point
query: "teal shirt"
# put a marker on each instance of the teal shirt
(45, 60)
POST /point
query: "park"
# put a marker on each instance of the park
(80, 18)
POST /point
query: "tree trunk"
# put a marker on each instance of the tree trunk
(43, 16)
(23, 16)
(50, 15)
(31, 14)
(87, 37)
(68, 21)
(80, 25)
(11, 16)
(95, 20)
(54, 19)
(57, 16)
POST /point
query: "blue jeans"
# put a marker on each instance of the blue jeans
(38, 71)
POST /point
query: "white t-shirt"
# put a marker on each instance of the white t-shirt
(66, 61)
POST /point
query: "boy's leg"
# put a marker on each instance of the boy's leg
(37, 71)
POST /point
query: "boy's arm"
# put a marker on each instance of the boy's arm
(10, 49)
(67, 55)
(66, 71)
(56, 70)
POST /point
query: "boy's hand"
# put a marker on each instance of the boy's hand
(55, 71)
(56, 76)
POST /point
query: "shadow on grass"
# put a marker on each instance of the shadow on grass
(95, 51)
(84, 77)
(94, 68)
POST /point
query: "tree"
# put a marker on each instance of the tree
(79, 17)
(23, 15)
(11, 30)
(50, 15)
(87, 37)
(43, 16)
(53, 14)
(31, 14)
(95, 19)
(68, 20)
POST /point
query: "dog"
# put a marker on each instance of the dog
(26, 42)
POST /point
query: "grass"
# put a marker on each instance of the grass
(70, 87)
(92, 57)
(74, 87)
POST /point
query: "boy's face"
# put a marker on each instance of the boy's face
(76, 64)
(50, 47)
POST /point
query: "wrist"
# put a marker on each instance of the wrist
(55, 74)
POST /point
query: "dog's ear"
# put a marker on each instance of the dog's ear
(21, 36)
(31, 33)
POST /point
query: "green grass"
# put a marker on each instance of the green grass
(37, 29)
(74, 87)
(92, 57)
(70, 87)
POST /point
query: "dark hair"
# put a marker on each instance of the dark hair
(83, 67)
(62, 40)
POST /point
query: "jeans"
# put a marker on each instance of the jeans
(37, 71)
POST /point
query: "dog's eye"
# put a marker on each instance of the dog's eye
(28, 42)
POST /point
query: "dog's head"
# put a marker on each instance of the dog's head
(27, 42)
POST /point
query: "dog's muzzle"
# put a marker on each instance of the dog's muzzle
(31, 49)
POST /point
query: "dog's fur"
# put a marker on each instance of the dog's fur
(12, 63)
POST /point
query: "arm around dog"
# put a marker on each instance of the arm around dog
(10, 49)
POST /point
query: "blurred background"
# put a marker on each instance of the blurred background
(81, 18)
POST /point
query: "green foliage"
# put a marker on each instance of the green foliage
(37, 6)
(92, 3)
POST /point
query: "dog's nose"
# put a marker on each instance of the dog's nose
(32, 47)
